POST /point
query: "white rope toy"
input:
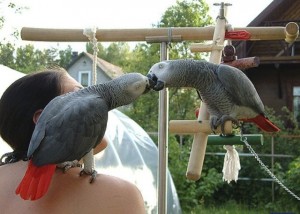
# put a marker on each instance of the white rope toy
(231, 165)
(90, 33)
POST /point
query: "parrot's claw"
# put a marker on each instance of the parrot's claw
(92, 173)
(65, 166)
(215, 122)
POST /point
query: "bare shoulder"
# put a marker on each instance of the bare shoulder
(107, 193)
(73, 194)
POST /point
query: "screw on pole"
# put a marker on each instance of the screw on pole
(222, 13)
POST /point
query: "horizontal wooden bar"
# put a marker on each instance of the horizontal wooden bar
(199, 47)
(194, 126)
(278, 58)
(135, 35)
(244, 63)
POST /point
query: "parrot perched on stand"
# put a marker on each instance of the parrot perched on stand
(71, 125)
(226, 90)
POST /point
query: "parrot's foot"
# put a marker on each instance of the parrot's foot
(215, 122)
(93, 173)
(65, 166)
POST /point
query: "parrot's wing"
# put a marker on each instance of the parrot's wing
(73, 131)
(240, 88)
(48, 112)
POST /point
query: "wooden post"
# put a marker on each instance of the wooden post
(200, 139)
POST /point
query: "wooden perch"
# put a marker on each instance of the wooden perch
(244, 63)
(288, 33)
(194, 126)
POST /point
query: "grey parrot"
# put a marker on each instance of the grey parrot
(227, 91)
(71, 125)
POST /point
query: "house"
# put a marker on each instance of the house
(81, 69)
(277, 78)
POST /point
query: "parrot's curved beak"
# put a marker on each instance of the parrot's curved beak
(155, 83)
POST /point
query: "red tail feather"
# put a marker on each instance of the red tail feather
(36, 181)
(263, 123)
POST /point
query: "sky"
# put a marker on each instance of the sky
(110, 14)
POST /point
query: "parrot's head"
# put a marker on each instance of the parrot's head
(136, 84)
(161, 74)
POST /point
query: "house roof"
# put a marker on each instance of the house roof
(277, 13)
(111, 70)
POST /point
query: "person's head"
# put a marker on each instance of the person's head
(24, 100)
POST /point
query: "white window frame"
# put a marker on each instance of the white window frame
(85, 72)
(296, 102)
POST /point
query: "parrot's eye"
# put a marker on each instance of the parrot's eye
(160, 66)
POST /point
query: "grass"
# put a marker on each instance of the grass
(234, 208)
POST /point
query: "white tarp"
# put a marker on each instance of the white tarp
(131, 153)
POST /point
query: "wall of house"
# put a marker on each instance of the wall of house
(85, 64)
(266, 80)
(274, 84)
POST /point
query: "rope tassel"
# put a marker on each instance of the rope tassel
(231, 164)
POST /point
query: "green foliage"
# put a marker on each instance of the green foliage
(231, 207)
(117, 53)
(65, 57)
(191, 194)
(186, 13)
(7, 55)
(178, 159)
(28, 59)
(293, 182)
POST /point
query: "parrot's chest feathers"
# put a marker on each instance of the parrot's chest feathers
(242, 112)
(220, 104)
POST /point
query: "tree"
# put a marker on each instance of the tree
(117, 53)
(27, 59)
(193, 13)
(7, 55)
(65, 57)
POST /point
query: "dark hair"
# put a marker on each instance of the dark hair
(19, 103)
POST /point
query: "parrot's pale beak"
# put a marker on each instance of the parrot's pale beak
(155, 83)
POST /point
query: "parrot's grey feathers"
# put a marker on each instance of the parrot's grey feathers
(74, 123)
(241, 90)
(227, 91)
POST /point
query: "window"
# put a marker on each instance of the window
(296, 103)
(84, 78)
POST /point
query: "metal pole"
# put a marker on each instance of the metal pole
(163, 118)
(272, 167)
